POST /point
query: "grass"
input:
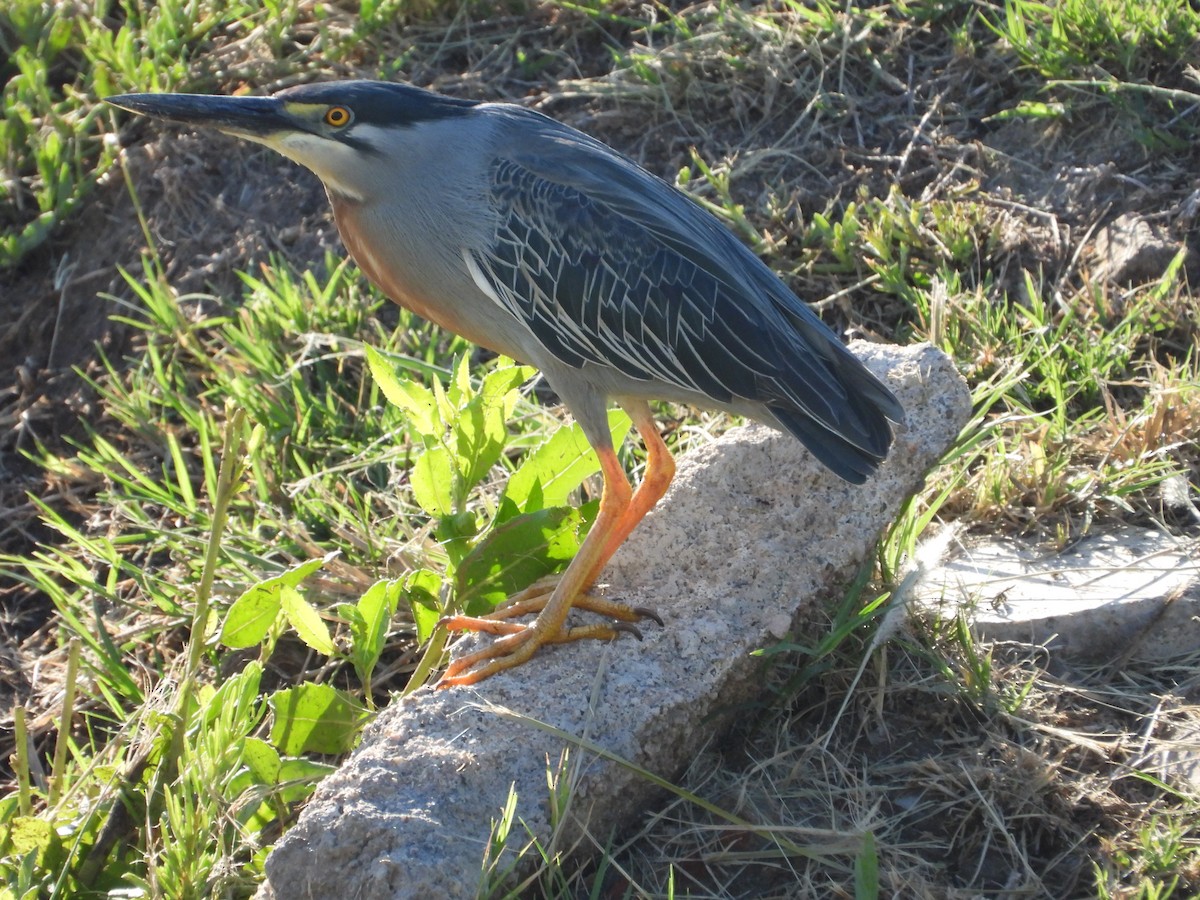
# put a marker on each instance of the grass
(237, 553)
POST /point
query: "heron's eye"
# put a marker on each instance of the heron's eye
(337, 116)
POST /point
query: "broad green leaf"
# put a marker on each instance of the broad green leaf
(235, 701)
(416, 400)
(302, 616)
(301, 768)
(460, 391)
(261, 765)
(514, 555)
(299, 776)
(30, 833)
(506, 509)
(479, 436)
(423, 589)
(560, 465)
(251, 616)
(254, 612)
(349, 613)
(262, 760)
(445, 407)
(375, 609)
(500, 386)
(295, 576)
(432, 480)
(314, 718)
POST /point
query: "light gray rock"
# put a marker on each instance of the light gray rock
(1126, 595)
(754, 537)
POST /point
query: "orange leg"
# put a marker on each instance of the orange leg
(621, 510)
(660, 470)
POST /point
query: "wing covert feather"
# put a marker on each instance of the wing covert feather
(608, 265)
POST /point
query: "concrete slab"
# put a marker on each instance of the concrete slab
(753, 537)
(1126, 595)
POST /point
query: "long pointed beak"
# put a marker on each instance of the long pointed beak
(252, 117)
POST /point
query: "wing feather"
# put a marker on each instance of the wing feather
(608, 265)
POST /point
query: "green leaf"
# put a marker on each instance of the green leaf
(30, 833)
(500, 386)
(349, 613)
(866, 870)
(446, 408)
(295, 576)
(423, 590)
(461, 391)
(514, 555)
(506, 509)
(314, 718)
(300, 768)
(374, 610)
(416, 401)
(235, 702)
(261, 765)
(254, 612)
(251, 616)
(299, 776)
(479, 436)
(262, 760)
(432, 481)
(560, 465)
(302, 616)
(38, 838)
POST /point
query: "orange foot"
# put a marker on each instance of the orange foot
(518, 641)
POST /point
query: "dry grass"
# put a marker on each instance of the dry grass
(963, 797)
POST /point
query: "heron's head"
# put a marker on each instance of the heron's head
(342, 131)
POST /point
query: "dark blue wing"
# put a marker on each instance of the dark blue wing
(607, 264)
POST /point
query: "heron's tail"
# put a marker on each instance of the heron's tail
(856, 443)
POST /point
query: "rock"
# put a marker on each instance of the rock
(1130, 249)
(752, 528)
(1127, 595)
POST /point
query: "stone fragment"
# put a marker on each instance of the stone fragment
(1130, 249)
(1128, 595)
(753, 527)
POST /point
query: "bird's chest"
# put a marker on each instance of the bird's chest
(405, 261)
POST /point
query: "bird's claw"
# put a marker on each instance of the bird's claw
(629, 628)
(516, 642)
(646, 612)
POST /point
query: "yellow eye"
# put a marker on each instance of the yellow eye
(337, 116)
